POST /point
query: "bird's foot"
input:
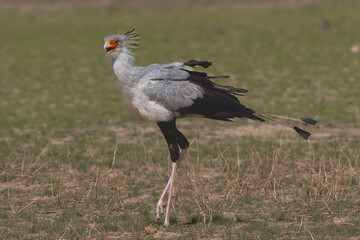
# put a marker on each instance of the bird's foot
(159, 210)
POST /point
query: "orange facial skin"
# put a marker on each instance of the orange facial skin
(111, 46)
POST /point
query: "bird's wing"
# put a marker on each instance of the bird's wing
(169, 86)
(193, 93)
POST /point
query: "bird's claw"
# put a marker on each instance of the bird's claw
(159, 210)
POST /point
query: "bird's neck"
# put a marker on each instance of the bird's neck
(124, 68)
(123, 58)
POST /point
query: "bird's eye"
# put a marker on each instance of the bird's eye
(116, 41)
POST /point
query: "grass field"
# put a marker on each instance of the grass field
(75, 165)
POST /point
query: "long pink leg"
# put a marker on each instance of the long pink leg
(171, 180)
(159, 205)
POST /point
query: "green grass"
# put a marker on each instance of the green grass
(61, 113)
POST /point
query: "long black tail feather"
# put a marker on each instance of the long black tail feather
(304, 134)
(309, 121)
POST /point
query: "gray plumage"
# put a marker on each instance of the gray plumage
(173, 94)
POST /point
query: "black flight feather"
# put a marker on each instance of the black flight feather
(204, 80)
(193, 63)
(214, 77)
(230, 89)
(218, 102)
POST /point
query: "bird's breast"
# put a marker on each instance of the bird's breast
(143, 109)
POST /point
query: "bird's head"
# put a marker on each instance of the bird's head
(115, 44)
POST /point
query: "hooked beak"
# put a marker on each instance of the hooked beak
(109, 48)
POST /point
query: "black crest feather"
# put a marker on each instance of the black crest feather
(131, 38)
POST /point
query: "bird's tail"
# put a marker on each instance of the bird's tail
(275, 118)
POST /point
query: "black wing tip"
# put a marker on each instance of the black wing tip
(233, 90)
(241, 90)
(309, 121)
(302, 133)
(215, 77)
(192, 63)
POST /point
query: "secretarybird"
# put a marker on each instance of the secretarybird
(161, 93)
